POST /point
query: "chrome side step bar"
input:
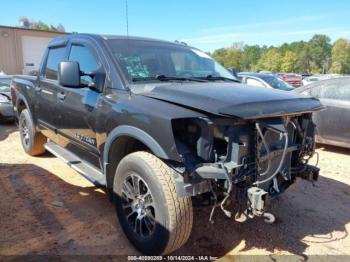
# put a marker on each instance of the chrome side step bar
(89, 172)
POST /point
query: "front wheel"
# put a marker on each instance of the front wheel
(32, 141)
(153, 217)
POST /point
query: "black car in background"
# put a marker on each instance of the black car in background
(6, 107)
(333, 123)
(264, 80)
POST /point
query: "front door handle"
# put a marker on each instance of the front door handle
(61, 96)
(37, 88)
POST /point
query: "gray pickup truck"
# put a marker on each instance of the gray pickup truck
(161, 125)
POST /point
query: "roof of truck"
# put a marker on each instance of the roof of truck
(98, 37)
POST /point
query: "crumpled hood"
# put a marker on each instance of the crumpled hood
(230, 99)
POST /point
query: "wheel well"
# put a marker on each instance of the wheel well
(121, 147)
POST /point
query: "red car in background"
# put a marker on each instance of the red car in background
(293, 79)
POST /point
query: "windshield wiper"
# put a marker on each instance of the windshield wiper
(167, 78)
(211, 77)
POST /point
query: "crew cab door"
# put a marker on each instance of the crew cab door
(77, 108)
(47, 89)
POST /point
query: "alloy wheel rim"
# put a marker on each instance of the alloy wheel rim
(138, 205)
(25, 132)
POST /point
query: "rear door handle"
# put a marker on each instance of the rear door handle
(61, 96)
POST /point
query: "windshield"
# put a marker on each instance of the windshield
(5, 85)
(147, 59)
(277, 83)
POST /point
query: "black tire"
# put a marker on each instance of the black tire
(173, 215)
(32, 141)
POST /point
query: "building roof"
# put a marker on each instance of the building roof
(29, 29)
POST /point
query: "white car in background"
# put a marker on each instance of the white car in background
(264, 80)
(309, 80)
(315, 78)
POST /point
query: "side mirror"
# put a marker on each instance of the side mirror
(99, 79)
(69, 74)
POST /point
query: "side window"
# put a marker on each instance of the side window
(316, 91)
(86, 60)
(254, 82)
(337, 89)
(55, 56)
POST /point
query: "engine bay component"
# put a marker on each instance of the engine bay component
(247, 161)
(256, 199)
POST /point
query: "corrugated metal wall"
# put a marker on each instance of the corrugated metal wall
(8, 59)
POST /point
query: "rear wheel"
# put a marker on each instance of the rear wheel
(153, 217)
(32, 141)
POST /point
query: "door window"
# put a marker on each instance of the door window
(55, 56)
(86, 60)
(338, 89)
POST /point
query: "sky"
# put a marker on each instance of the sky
(205, 24)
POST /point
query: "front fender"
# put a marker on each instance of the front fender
(134, 132)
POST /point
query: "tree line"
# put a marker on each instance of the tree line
(39, 25)
(318, 55)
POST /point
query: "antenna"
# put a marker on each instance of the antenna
(127, 18)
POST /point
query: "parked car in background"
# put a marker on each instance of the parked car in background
(279, 75)
(6, 107)
(333, 123)
(320, 77)
(264, 80)
(293, 79)
(311, 79)
(305, 75)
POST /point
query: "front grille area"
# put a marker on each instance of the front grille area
(270, 147)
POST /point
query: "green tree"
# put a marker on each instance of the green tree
(228, 57)
(288, 63)
(303, 63)
(341, 57)
(220, 55)
(250, 57)
(320, 52)
(270, 61)
(41, 26)
(315, 56)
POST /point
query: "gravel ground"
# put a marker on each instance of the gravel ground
(47, 208)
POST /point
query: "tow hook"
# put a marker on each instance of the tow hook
(256, 204)
(310, 173)
(269, 218)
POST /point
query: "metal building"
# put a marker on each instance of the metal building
(21, 49)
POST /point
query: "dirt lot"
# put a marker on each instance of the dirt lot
(47, 208)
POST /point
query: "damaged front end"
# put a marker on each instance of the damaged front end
(248, 161)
